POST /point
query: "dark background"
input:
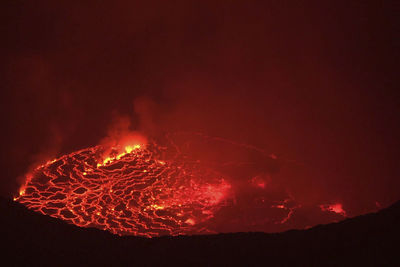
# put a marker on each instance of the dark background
(313, 82)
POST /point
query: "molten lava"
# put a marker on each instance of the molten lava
(181, 187)
(128, 193)
(336, 208)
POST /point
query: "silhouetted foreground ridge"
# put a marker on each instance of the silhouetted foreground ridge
(29, 238)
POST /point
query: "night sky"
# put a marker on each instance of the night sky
(315, 83)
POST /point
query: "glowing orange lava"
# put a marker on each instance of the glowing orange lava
(336, 208)
(135, 187)
(132, 192)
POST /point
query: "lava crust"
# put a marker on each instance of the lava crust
(127, 193)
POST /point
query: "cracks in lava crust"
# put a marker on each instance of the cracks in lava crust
(134, 193)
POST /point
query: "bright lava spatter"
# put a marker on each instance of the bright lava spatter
(131, 192)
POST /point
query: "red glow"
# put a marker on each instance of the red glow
(336, 208)
(190, 221)
(259, 181)
(145, 189)
(127, 193)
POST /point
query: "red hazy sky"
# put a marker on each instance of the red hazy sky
(315, 82)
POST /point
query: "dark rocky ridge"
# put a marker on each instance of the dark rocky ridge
(29, 238)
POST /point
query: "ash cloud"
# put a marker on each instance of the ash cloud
(315, 83)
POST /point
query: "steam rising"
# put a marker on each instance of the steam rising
(314, 85)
